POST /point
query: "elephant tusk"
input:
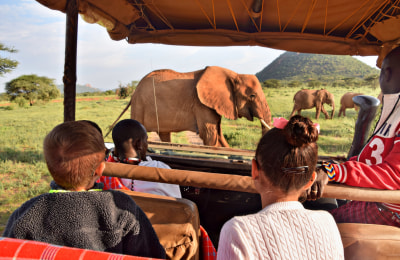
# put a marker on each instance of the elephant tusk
(264, 124)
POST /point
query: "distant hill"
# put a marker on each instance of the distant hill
(80, 88)
(304, 66)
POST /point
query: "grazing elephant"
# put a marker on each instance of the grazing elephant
(308, 98)
(347, 102)
(167, 101)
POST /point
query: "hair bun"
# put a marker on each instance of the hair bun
(300, 131)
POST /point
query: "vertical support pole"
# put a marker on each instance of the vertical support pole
(69, 79)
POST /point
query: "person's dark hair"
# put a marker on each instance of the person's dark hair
(288, 156)
(392, 58)
(72, 151)
(127, 129)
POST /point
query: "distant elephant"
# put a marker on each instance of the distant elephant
(347, 102)
(308, 98)
(167, 101)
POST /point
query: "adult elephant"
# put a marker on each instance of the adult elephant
(167, 101)
(308, 98)
(347, 102)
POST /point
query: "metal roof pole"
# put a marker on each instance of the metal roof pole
(69, 79)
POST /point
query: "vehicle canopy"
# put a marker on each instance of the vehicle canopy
(358, 27)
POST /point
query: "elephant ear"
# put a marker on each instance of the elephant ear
(215, 90)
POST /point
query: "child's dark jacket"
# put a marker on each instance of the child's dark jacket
(99, 220)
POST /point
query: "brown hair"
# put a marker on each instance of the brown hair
(72, 151)
(288, 156)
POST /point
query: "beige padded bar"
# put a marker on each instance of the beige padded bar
(237, 183)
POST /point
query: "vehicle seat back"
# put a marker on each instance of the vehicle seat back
(368, 241)
(176, 222)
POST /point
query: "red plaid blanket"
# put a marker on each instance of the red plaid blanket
(11, 248)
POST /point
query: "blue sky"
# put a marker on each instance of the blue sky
(38, 34)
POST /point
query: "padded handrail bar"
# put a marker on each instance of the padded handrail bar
(181, 177)
(237, 182)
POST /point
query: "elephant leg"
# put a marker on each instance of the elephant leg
(299, 112)
(209, 134)
(317, 112)
(165, 136)
(324, 111)
(296, 108)
(221, 138)
(223, 142)
(341, 111)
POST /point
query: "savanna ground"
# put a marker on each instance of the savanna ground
(23, 172)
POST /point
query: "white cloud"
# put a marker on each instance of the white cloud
(370, 60)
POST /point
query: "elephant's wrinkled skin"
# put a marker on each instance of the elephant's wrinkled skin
(167, 101)
(347, 102)
(308, 98)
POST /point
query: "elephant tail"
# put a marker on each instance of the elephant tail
(110, 128)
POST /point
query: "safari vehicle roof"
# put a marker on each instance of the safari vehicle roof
(357, 27)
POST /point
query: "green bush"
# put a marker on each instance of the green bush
(271, 83)
(22, 102)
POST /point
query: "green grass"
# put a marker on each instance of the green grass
(23, 173)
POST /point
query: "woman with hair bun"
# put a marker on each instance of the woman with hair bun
(282, 171)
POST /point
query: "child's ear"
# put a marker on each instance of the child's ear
(254, 170)
(100, 169)
(311, 181)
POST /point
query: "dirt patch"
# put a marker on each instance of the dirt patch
(192, 138)
(153, 137)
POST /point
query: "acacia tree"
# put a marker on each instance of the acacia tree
(6, 64)
(32, 87)
(124, 91)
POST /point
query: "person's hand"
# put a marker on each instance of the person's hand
(316, 190)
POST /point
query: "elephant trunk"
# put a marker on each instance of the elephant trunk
(265, 119)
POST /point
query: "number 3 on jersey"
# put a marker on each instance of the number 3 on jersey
(377, 148)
